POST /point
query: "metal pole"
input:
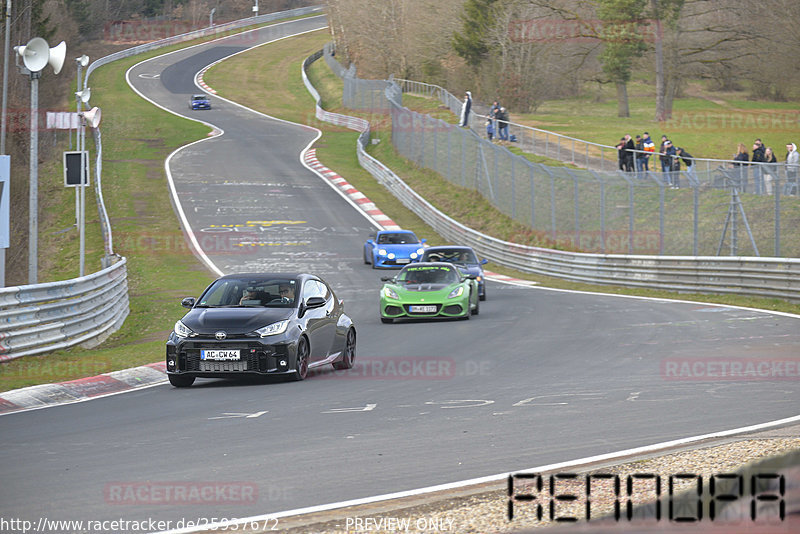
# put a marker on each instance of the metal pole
(82, 211)
(33, 186)
(5, 79)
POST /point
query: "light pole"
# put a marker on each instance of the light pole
(35, 56)
(255, 9)
(211, 17)
(81, 96)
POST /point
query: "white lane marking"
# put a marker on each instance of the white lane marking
(236, 415)
(147, 76)
(461, 403)
(367, 408)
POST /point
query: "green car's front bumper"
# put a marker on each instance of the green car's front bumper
(425, 304)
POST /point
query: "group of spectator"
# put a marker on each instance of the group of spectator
(497, 123)
(635, 156)
(765, 172)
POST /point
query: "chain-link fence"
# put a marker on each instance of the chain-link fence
(706, 211)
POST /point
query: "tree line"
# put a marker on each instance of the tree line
(529, 51)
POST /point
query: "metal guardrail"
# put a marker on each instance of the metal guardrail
(84, 311)
(46, 317)
(766, 277)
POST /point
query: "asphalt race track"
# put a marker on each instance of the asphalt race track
(538, 377)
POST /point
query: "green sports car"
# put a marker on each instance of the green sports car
(429, 290)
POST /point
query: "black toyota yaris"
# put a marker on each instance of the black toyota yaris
(260, 324)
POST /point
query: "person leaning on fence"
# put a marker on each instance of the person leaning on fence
(495, 109)
(489, 129)
(465, 109)
(691, 171)
(666, 164)
(758, 157)
(740, 166)
(770, 170)
(792, 166)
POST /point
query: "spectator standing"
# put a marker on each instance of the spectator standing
(741, 168)
(758, 157)
(770, 171)
(641, 157)
(495, 109)
(465, 109)
(629, 152)
(792, 165)
(691, 170)
(621, 153)
(649, 146)
(671, 155)
(666, 164)
(489, 129)
(502, 124)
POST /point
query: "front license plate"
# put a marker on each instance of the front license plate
(219, 355)
(403, 260)
(422, 309)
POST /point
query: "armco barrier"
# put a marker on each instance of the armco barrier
(766, 277)
(45, 317)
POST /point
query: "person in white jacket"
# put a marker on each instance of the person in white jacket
(792, 166)
(465, 109)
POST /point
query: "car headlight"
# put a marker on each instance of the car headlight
(413, 255)
(181, 330)
(382, 252)
(273, 329)
(479, 278)
(389, 293)
(457, 292)
(420, 251)
(390, 255)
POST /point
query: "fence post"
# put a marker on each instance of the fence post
(533, 208)
(513, 202)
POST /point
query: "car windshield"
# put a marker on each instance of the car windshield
(398, 238)
(249, 293)
(451, 256)
(428, 274)
(198, 97)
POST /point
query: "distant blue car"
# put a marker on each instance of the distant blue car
(393, 248)
(199, 102)
(466, 260)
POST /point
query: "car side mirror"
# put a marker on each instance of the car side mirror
(370, 241)
(423, 240)
(472, 276)
(387, 279)
(484, 261)
(188, 302)
(314, 302)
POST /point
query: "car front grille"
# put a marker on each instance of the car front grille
(254, 357)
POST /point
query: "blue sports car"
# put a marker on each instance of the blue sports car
(199, 102)
(465, 258)
(393, 248)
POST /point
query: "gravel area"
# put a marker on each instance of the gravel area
(485, 510)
